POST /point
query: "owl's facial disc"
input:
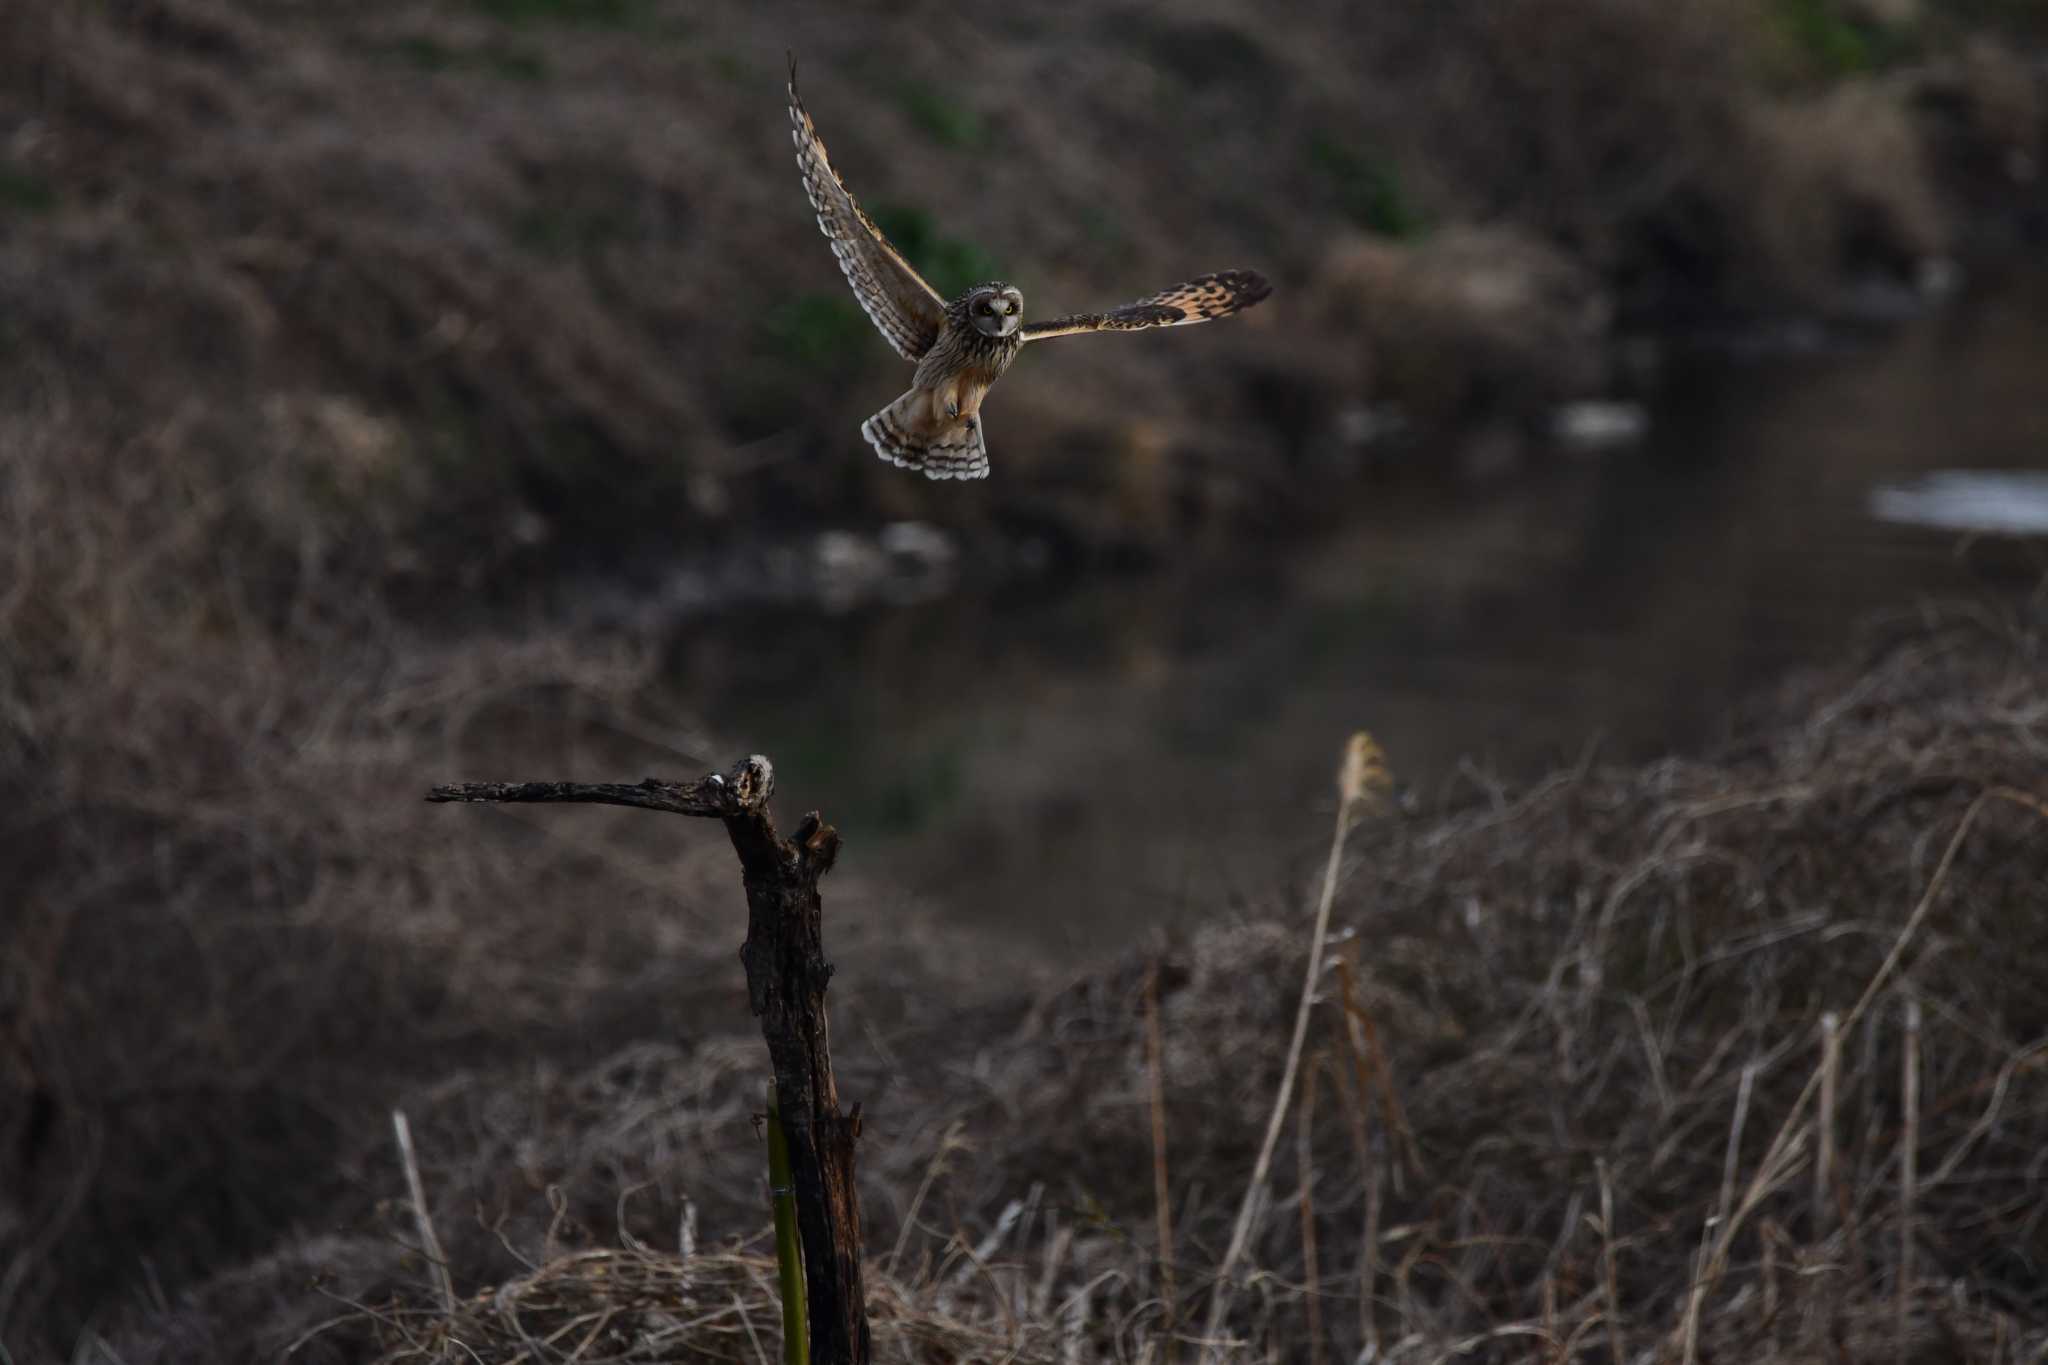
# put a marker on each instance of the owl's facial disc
(996, 312)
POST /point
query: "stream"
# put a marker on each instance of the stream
(1070, 768)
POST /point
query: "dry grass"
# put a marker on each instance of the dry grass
(1836, 178)
(638, 1305)
(230, 933)
(1599, 1002)
(1469, 322)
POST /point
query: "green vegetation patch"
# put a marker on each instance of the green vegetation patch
(818, 329)
(25, 192)
(428, 54)
(949, 263)
(1818, 41)
(731, 67)
(580, 205)
(631, 14)
(516, 64)
(567, 228)
(504, 60)
(930, 788)
(939, 117)
(1367, 187)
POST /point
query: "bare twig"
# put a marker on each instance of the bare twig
(415, 1192)
(711, 797)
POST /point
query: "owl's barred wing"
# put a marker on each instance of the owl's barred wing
(908, 311)
(1203, 299)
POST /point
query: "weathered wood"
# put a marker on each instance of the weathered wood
(787, 973)
(681, 798)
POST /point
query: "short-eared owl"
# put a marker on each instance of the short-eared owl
(961, 348)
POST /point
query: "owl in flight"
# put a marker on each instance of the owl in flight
(962, 347)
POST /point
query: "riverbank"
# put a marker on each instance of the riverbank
(1571, 1024)
(482, 290)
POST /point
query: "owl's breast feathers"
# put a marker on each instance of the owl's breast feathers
(969, 357)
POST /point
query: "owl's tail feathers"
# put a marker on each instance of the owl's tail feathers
(905, 435)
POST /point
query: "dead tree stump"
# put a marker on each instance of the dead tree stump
(787, 973)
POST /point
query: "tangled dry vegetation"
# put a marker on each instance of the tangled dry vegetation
(229, 937)
(1569, 1095)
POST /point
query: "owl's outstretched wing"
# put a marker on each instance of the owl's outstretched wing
(1203, 299)
(908, 311)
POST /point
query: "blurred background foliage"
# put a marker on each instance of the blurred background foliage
(573, 219)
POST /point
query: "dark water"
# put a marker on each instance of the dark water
(1078, 766)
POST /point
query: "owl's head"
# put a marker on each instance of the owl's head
(995, 309)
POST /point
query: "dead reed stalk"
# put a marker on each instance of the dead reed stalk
(1701, 1283)
(1909, 1165)
(1305, 1163)
(1358, 1115)
(1363, 775)
(430, 1244)
(1162, 1200)
(1824, 1124)
(1617, 1344)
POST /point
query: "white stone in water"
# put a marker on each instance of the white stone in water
(1937, 277)
(1599, 423)
(918, 540)
(1362, 424)
(2008, 502)
(845, 568)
